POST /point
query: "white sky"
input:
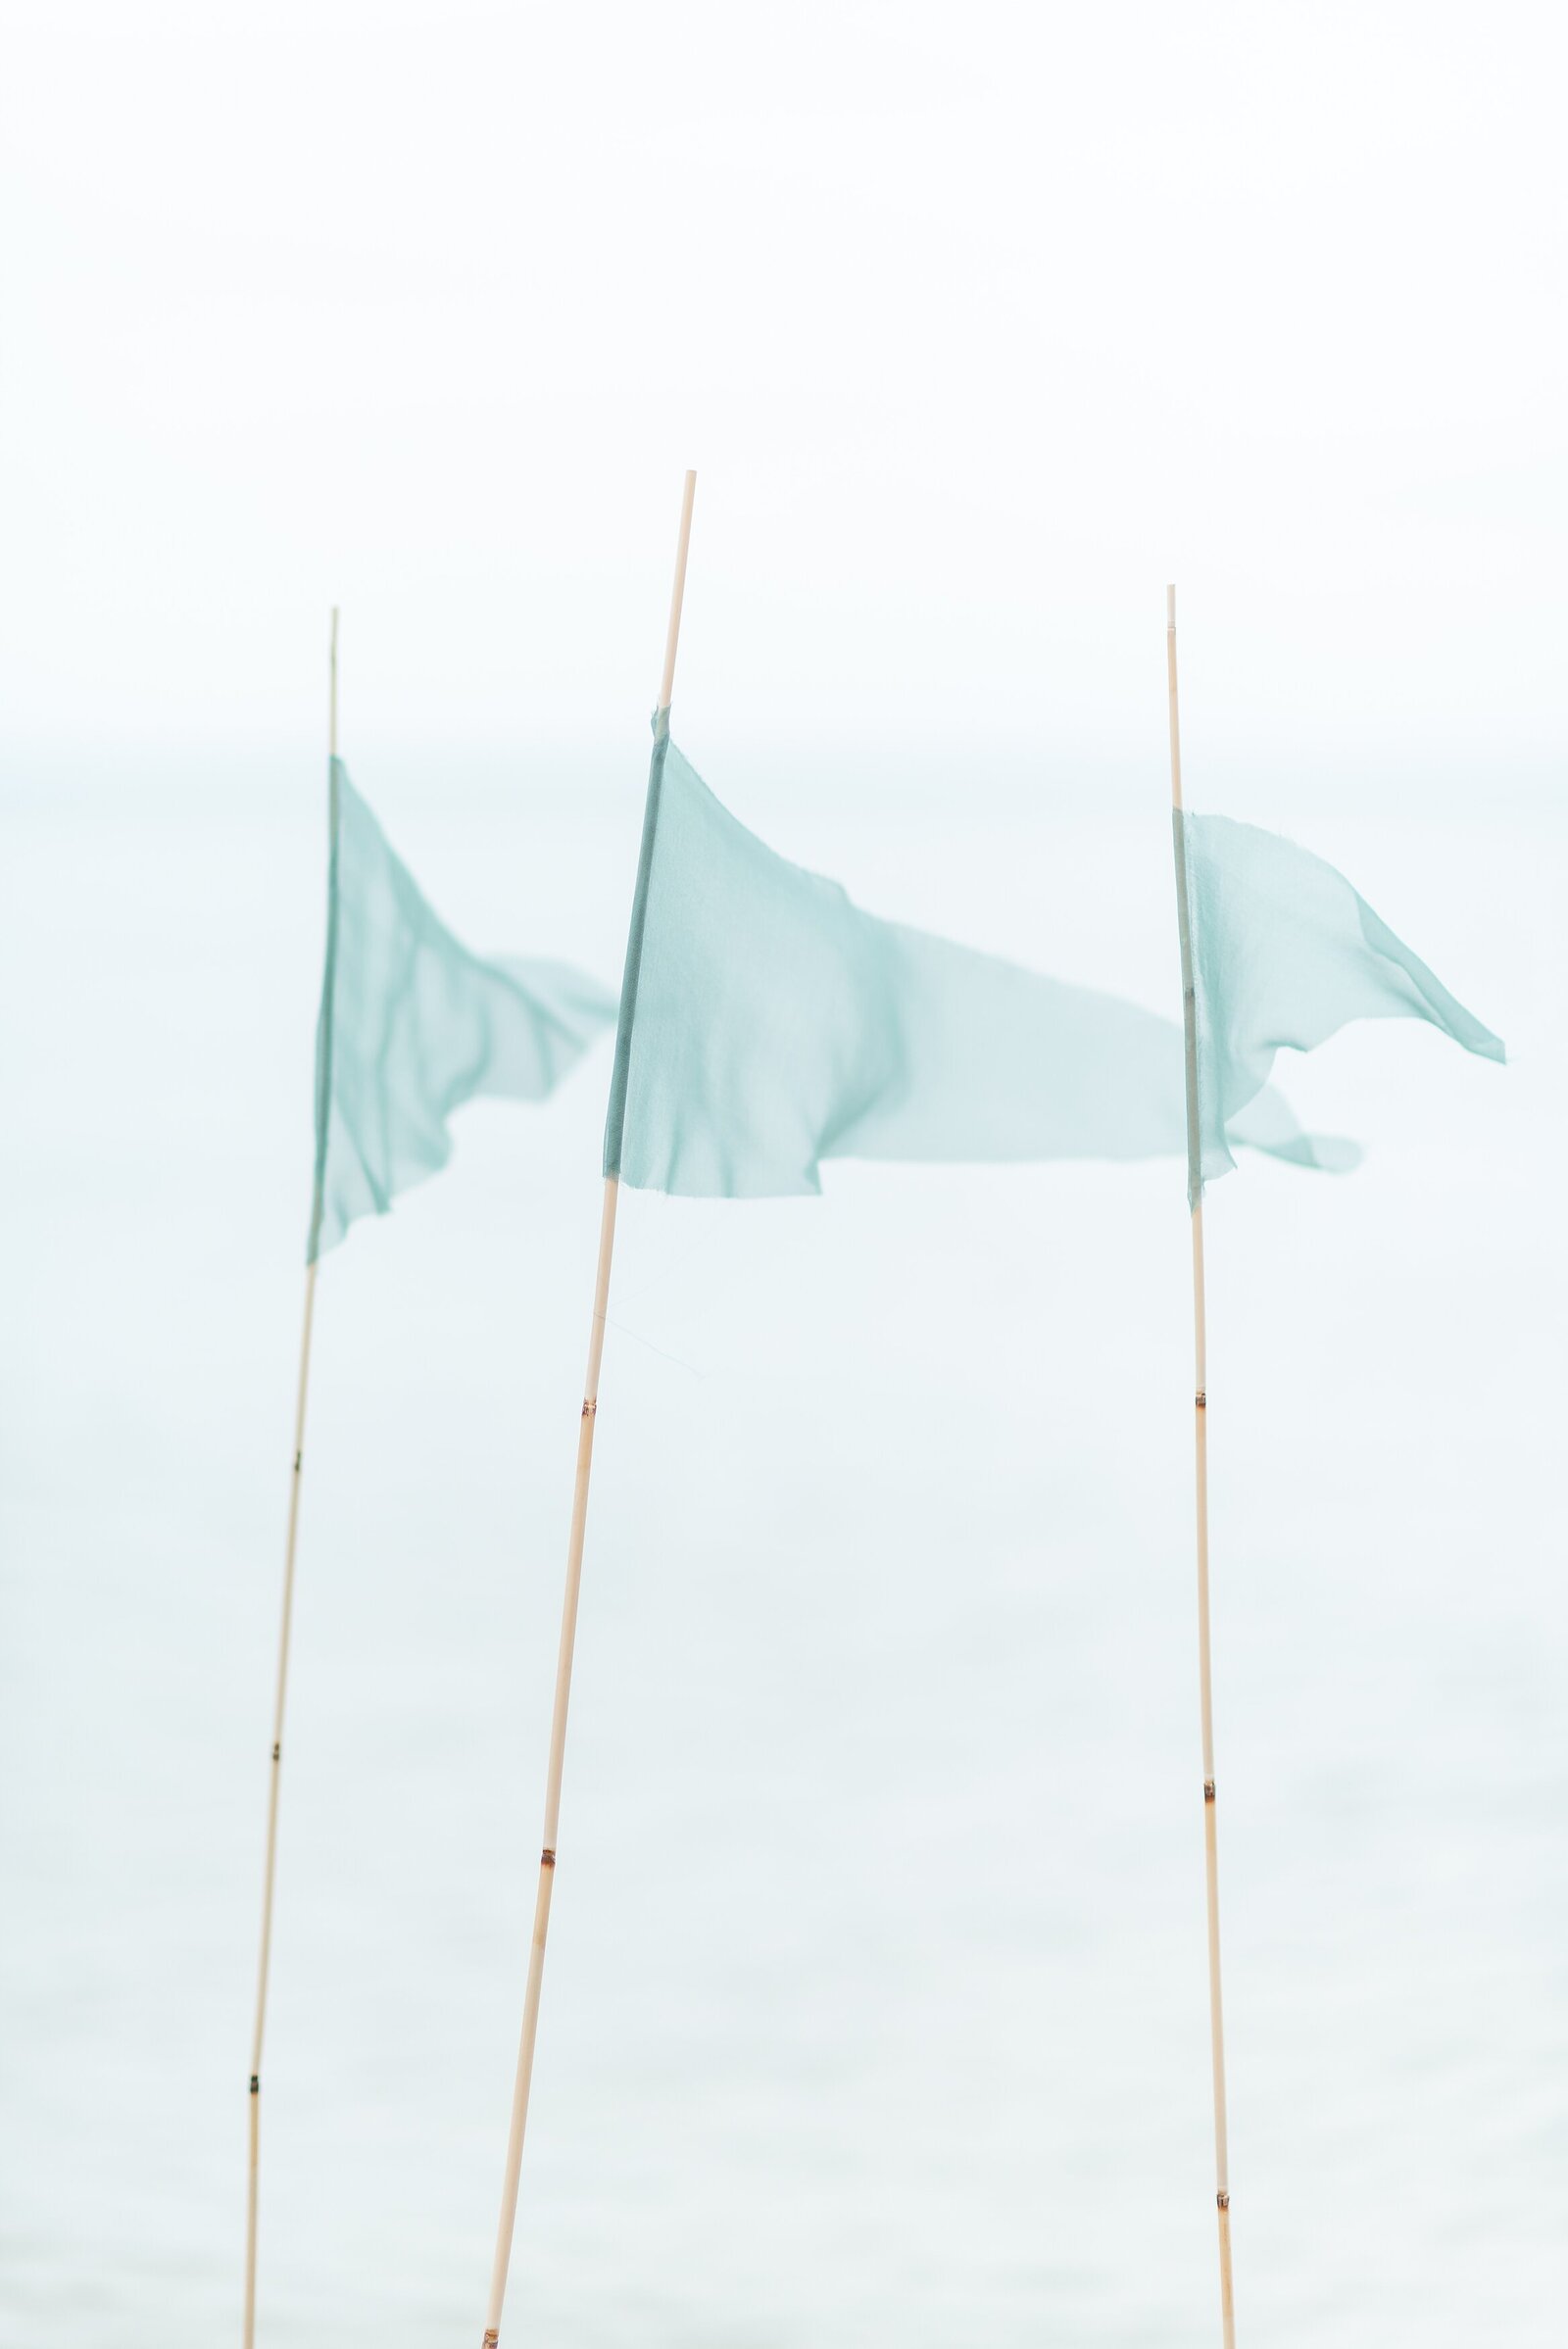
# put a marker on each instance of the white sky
(978, 323)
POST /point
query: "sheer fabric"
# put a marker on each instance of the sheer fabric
(768, 1024)
(1281, 951)
(411, 1025)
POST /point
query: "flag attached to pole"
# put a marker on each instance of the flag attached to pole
(1278, 949)
(768, 1024)
(411, 1025)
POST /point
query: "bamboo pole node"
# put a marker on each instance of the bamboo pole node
(278, 1754)
(1223, 2199)
(547, 1858)
(590, 1408)
(491, 2339)
(1201, 1400)
(1208, 1790)
(256, 2084)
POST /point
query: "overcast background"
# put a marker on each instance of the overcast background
(876, 2007)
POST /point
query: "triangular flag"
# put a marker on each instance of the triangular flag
(1281, 951)
(411, 1025)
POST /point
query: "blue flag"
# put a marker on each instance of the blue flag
(1278, 949)
(767, 1024)
(411, 1025)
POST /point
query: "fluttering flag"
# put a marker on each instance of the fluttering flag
(1279, 950)
(411, 1025)
(767, 1024)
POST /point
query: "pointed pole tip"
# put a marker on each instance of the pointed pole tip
(683, 548)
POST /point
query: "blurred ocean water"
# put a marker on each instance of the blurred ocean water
(875, 2010)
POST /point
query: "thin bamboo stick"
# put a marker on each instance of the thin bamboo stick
(523, 2082)
(279, 1703)
(1205, 1692)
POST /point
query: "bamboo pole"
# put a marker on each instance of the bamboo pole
(1206, 1692)
(506, 2228)
(279, 1703)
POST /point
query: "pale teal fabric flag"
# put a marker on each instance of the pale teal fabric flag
(411, 1025)
(1277, 950)
(767, 1024)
